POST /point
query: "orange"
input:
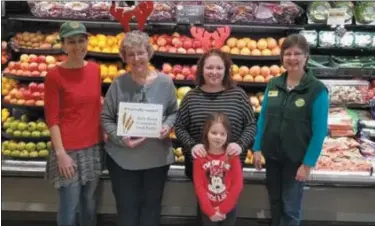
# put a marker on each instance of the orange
(262, 44)
(255, 70)
(243, 70)
(245, 51)
(256, 52)
(235, 51)
(252, 44)
(232, 42)
(225, 49)
(274, 70)
(271, 43)
(265, 71)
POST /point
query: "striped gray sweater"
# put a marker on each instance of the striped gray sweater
(197, 104)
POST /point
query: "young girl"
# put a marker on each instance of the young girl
(218, 179)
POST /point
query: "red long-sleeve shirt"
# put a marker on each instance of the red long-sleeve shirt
(218, 182)
(72, 101)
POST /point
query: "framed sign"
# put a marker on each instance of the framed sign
(139, 120)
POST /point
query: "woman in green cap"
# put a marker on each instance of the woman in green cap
(72, 109)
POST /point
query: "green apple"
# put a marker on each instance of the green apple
(9, 131)
(16, 153)
(46, 133)
(17, 133)
(7, 152)
(13, 146)
(49, 145)
(41, 126)
(26, 133)
(24, 118)
(41, 145)
(33, 154)
(22, 126)
(43, 153)
(39, 120)
(31, 126)
(35, 134)
(7, 125)
(30, 146)
(24, 154)
(21, 145)
(10, 119)
(14, 125)
(5, 144)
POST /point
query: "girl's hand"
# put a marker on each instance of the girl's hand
(198, 151)
(303, 173)
(233, 149)
(217, 217)
(66, 165)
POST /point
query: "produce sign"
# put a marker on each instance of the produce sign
(190, 14)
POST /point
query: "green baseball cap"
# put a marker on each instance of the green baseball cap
(72, 28)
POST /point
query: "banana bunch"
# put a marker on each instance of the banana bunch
(4, 114)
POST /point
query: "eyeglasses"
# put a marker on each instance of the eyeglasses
(296, 54)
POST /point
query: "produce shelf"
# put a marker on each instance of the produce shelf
(40, 51)
(25, 139)
(342, 51)
(349, 27)
(234, 57)
(28, 108)
(107, 56)
(24, 78)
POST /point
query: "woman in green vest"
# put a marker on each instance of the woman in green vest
(291, 130)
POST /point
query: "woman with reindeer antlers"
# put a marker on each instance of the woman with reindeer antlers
(138, 166)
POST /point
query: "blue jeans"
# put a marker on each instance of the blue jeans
(285, 192)
(138, 194)
(77, 198)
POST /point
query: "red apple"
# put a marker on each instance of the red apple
(35, 73)
(36, 95)
(25, 66)
(185, 71)
(7, 99)
(39, 103)
(41, 59)
(42, 67)
(194, 69)
(172, 49)
(14, 71)
(167, 68)
(175, 34)
(19, 72)
(33, 87)
(12, 65)
(176, 42)
(169, 40)
(190, 77)
(30, 103)
(26, 73)
(191, 51)
(181, 50)
(161, 41)
(180, 77)
(50, 60)
(176, 69)
(162, 49)
(27, 95)
(33, 66)
(13, 93)
(6, 70)
(187, 44)
(171, 75)
(19, 94)
(41, 87)
(199, 51)
(21, 102)
(33, 58)
(13, 101)
(197, 44)
(154, 38)
(17, 66)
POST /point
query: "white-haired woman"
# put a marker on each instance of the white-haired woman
(138, 167)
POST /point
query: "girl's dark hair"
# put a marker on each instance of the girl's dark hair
(227, 80)
(216, 118)
(295, 40)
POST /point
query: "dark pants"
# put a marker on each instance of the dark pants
(285, 192)
(138, 194)
(230, 219)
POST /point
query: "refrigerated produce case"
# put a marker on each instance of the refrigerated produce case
(331, 194)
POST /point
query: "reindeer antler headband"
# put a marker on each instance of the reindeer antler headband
(141, 12)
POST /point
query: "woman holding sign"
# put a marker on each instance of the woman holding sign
(138, 105)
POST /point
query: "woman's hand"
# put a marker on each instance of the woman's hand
(66, 165)
(303, 173)
(198, 151)
(132, 142)
(234, 149)
(165, 131)
(257, 160)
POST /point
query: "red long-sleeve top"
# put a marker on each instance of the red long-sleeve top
(72, 101)
(218, 182)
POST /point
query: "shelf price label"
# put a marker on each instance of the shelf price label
(336, 16)
(190, 14)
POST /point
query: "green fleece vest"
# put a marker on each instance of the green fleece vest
(287, 121)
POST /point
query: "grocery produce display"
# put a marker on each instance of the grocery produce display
(25, 150)
(4, 52)
(255, 57)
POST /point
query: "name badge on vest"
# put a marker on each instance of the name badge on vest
(273, 93)
(300, 102)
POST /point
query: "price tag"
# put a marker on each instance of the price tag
(336, 16)
(190, 14)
